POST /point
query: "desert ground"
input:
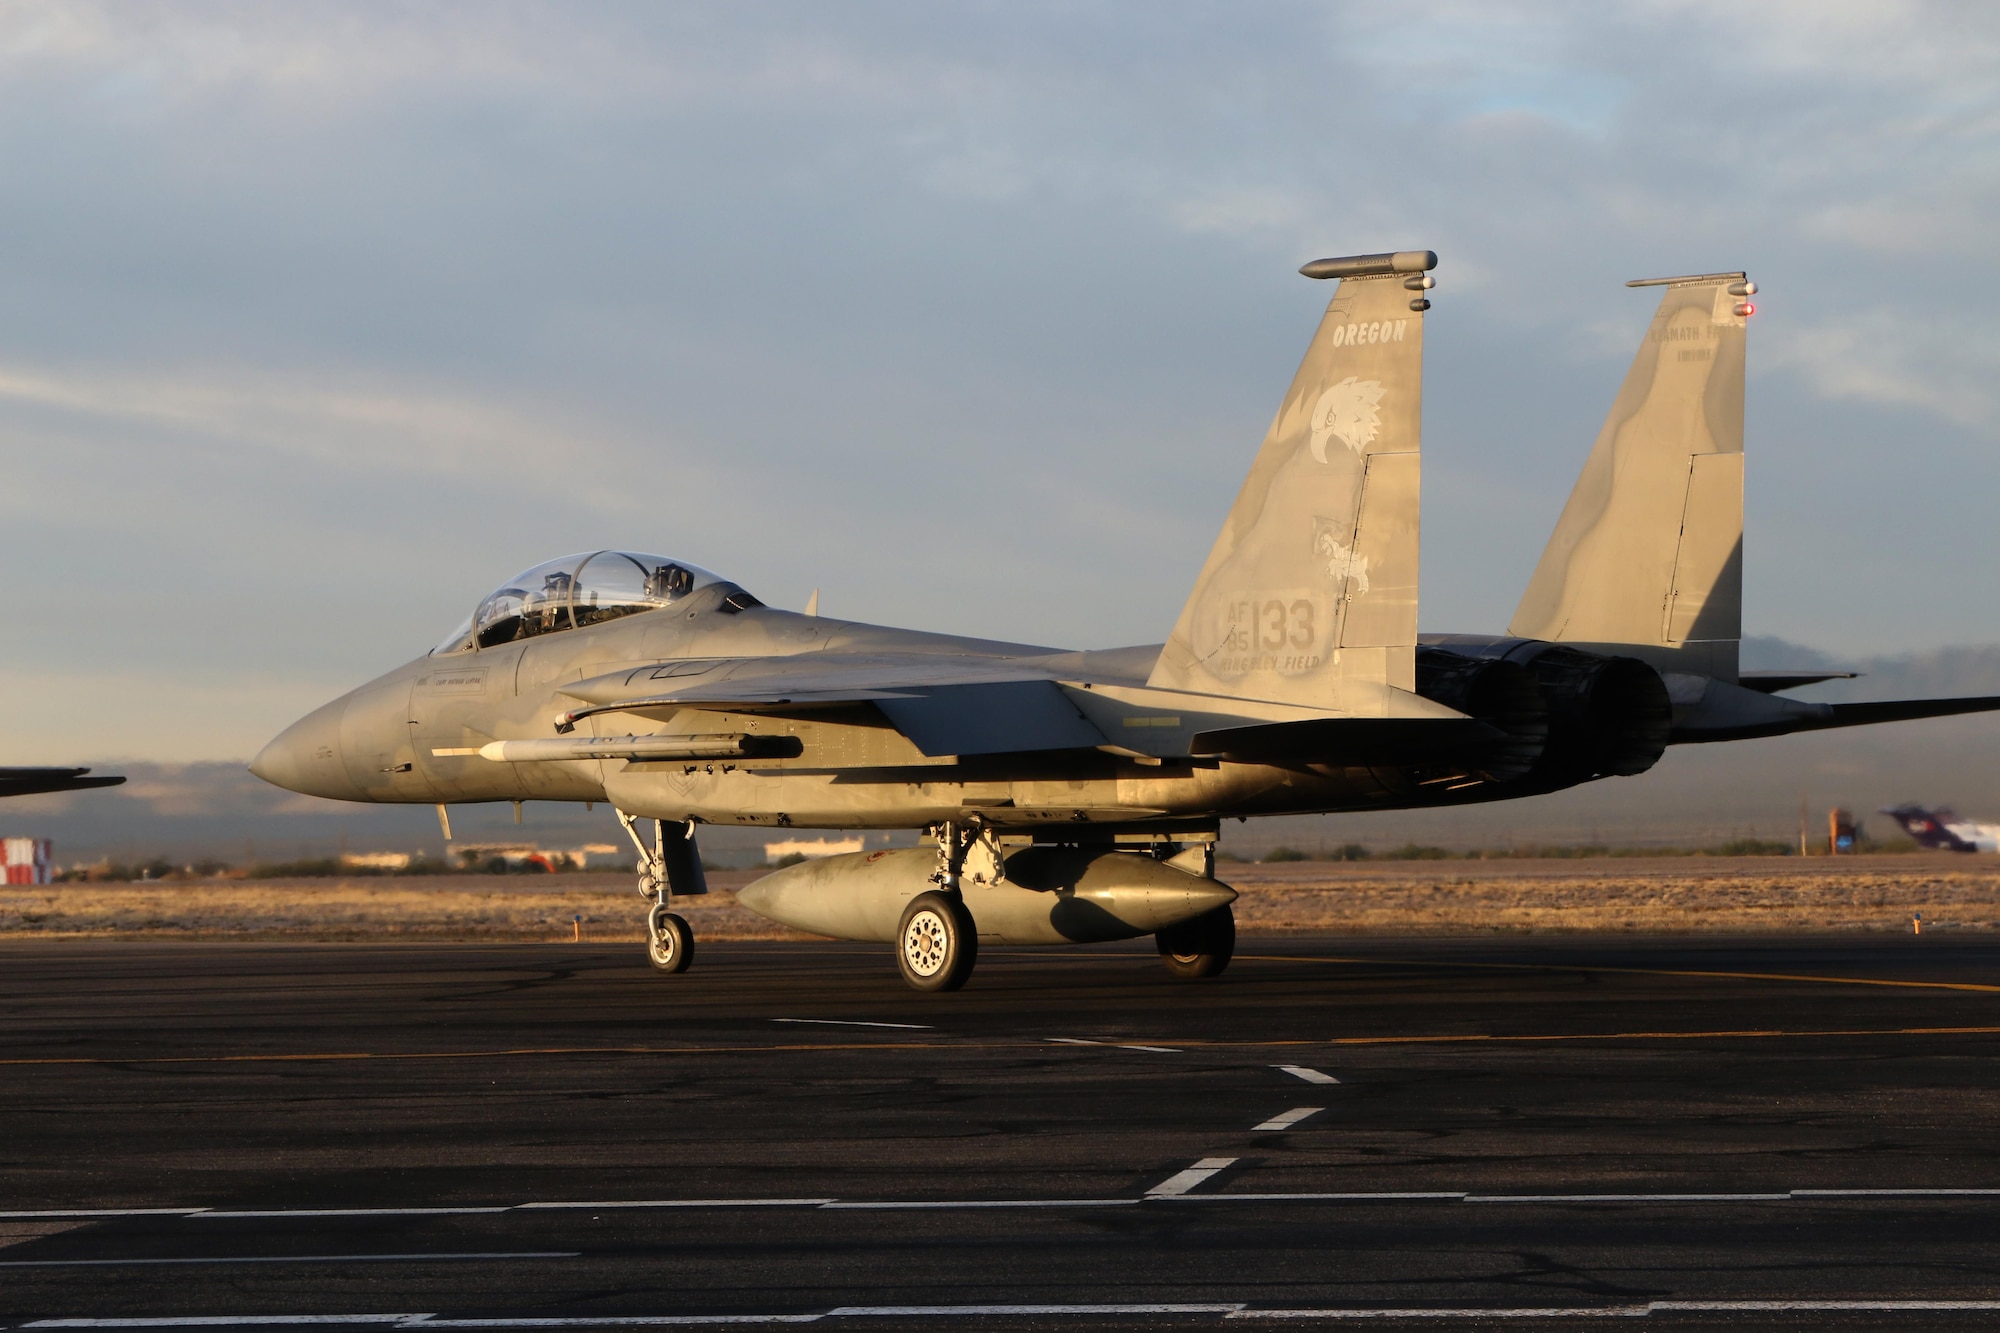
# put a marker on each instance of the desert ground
(1453, 897)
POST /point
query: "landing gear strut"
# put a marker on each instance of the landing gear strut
(937, 941)
(671, 865)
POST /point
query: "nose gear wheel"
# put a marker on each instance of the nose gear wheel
(669, 941)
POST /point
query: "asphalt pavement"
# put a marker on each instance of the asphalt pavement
(1689, 1133)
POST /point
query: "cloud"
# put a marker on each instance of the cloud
(334, 316)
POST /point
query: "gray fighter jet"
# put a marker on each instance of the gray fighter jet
(1076, 796)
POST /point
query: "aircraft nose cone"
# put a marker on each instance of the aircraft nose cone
(305, 757)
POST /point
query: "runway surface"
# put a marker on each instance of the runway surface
(1701, 1133)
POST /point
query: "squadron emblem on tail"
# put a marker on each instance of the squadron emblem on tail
(1347, 411)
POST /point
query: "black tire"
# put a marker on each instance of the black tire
(669, 941)
(1201, 947)
(936, 943)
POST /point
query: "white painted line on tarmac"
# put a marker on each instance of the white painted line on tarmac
(350, 1212)
(676, 1203)
(1493, 1312)
(1114, 1045)
(1627, 1198)
(1308, 1075)
(1228, 1310)
(45, 1214)
(952, 1311)
(1452, 1313)
(857, 1023)
(211, 1321)
(1284, 1121)
(293, 1259)
(601, 1321)
(1182, 1181)
(1349, 1196)
(1287, 1119)
(983, 1203)
(1894, 1194)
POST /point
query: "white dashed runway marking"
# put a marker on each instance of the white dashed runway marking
(1309, 1075)
(1182, 1181)
(1227, 1310)
(1286, 1119)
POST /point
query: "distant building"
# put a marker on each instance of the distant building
(778, 851)
(522, 854)
(29, 860)
(376, 860)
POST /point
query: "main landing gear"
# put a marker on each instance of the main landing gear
(1201, 947)
(671, 865)
(937, 941)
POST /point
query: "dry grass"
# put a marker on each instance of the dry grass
(1671, 895)
(1677, 895)
(443, 907)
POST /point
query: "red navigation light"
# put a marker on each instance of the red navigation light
(1745, 309)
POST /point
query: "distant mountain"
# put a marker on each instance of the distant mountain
(190, 811)
(1967, 669)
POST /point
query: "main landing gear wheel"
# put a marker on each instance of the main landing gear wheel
(669, 942)
(937, 943)
(1201, 947)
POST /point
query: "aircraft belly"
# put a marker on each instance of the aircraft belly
(721, 793)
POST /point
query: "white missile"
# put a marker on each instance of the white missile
(1051, 895)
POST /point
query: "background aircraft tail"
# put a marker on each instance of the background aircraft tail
(1930, 828)
(1647, 558)
(1310, 594)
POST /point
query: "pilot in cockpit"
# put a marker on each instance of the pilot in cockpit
(578, 591)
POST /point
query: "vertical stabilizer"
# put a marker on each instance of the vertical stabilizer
(1647, 558)
(1310, 594)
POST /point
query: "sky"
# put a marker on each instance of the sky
(321, 320)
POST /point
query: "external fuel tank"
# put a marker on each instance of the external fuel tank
(1050, 895)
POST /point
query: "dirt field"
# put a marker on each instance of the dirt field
(1669, 895)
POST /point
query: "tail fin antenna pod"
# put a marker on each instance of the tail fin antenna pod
(1647, 558)
(1309, 595)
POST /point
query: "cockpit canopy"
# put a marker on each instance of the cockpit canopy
(577, 591)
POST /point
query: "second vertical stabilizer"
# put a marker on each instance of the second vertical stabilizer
(1647, 559)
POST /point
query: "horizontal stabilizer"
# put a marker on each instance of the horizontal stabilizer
(1349, 741)
(1776, 682)
(1909, 710)
(37, 781)
(1712, 710)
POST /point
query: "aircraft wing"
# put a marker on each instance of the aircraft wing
(944, 705)
(35, 781)
(955, 706)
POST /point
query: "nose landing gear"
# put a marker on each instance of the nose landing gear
(671, 865)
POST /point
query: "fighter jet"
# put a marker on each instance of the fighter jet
(1076, 796)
